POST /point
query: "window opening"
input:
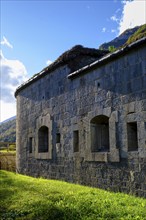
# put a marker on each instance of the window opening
(99, 134)
(132, 136)
(43, 139)
(76, 141)
(58, 138)
(30, 145)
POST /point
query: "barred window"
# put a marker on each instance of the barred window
(99, 127)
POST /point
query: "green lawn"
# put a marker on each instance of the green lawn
(8, 151)
(24, 197)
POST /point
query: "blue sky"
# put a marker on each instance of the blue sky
(34, 33)
(42, 30)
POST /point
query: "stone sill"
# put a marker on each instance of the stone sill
(76, 153)
(133, 154)
(43, 156)
(30, 154)
(110, 156)
(97, 156)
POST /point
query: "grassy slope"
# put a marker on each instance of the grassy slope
(140, 33)
(24, 197)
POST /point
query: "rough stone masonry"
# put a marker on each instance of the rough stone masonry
(83, 119)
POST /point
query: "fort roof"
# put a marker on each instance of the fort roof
(108, 57)
(102, 56)
(74, 53)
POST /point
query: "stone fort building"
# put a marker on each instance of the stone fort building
(82, 119)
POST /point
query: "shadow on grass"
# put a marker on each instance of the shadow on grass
(44, 208)
(45, 212)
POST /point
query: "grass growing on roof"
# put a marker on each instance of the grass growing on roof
(24, 198)
(140, 33)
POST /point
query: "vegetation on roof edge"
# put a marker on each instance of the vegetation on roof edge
(140, 33)
(71, 54)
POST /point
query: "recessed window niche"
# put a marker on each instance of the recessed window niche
(99, 127)
(132, 136)
(76, 141)
(43, 143)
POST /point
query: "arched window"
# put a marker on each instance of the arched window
(99, 127)
(43, 140)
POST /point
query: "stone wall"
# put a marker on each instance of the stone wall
(8, 161)
(112, 94)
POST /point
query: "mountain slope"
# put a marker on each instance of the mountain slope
(124, 37)
(8, 131)
(9, 119)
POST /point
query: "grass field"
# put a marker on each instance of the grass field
(7, 151)
(26, 198)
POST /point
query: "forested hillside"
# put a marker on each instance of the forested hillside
(8, 131)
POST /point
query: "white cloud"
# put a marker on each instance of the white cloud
(113, 31)
(103, 29)
(114, 18)
(6, 43)
(48, 62)
(7, 110)
(13, 73)
(118, 10)
(134, 14)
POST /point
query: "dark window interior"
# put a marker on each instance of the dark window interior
(76, 141)
(99, 133)
(43, 139)
(58, 138)
(30, 145)
(132, 136)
